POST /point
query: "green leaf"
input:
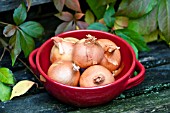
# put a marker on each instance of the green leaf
(135, 8)
(20, 14)
(6, 76)
(89, 17)
(146, 24)
(105, 2)
(109, 16)
(14, 42)
(98, 11)
(27, 43)
(9, 30)
(33, 29)
(98, 26)
(5, 92)
(153, 36)
(134, 37)
(164, 19)
(133, 46)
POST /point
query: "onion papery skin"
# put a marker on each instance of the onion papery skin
(112, 55)
(67, 45)
(87, 54)
(63, 72)
(88, 77)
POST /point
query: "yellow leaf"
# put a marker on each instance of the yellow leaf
(42, 78)
(21, 88)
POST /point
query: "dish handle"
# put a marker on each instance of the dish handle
(32, 61)
(135, 80)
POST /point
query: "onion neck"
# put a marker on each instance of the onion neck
(75, 67)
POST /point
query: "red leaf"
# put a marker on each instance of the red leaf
(9, 30)
(78, 16)
(65, 16)
(65, 26)
(73, 4)
(28, 4)
(82, 25)
(59, 4)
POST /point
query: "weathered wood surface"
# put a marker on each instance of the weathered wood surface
(152, 95)
(6, 5)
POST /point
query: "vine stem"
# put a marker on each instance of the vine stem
(5, 48)
(4, 23)
(5, 45)
(29, 69)
(2, 54)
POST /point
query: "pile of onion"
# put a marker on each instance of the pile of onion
(100, 60)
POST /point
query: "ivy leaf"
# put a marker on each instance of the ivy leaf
(59, 4)
(121, 22)
(65, 26)
(153, 36)
(9, 30)
(89, 17)
(73, 4)
(6, 76)
(146, 24)
(20, 14)
(98, 26)
(27, 43)
(78, 16)
(21, 88)
(65, 16)
(135, 8)
(14, 42)
(133, 46)
(164, 19)
(33, 29)
(29, 2)
(98, 11)
(5, 92)
(109, 16)
(133, 37)
(82, 25)
(105, 2)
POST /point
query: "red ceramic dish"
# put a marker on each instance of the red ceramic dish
(83, 97)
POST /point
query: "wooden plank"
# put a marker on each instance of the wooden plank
(6, 5)
(43, 102)
(153, 102)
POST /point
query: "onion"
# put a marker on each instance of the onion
(64, 72)
(112, 55)
(117, 71)
(62, 49)
(96, 75)
(87, 52)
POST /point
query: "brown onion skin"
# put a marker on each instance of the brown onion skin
(62, 72)
(89, 76)
(67, 44)
(85, 55)
(112, 57)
